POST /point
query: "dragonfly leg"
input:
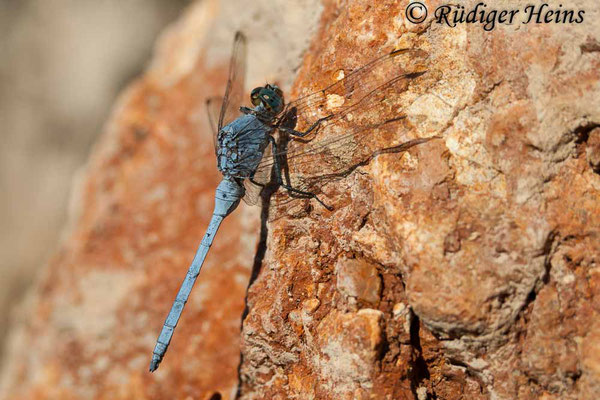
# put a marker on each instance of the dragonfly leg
(256, 183)
(293, 192)
(313, 127)
(304, 195)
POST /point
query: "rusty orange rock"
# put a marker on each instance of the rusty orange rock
(476, 299)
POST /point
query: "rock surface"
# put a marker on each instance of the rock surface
(485, 244)
(52, 105)
(464, 268)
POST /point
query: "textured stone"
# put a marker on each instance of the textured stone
(486, 243)
(359, 280)
(592, 149)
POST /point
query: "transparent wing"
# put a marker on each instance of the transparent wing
(313, 176)
(213, 108)
(336, 156)
(355, 91)
(235, 84)
(348, 137)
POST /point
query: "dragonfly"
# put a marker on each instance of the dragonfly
(249, 155)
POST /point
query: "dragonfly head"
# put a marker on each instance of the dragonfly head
(269, 96)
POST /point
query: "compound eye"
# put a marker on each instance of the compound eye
(265, 100)
(254, 96)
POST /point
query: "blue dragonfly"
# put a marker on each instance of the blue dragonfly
(249, 155)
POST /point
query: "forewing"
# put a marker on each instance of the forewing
(356, 92)
(359, 126)
(235, 83)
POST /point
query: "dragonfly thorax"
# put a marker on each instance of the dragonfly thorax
(241, 144)
(270, 97)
